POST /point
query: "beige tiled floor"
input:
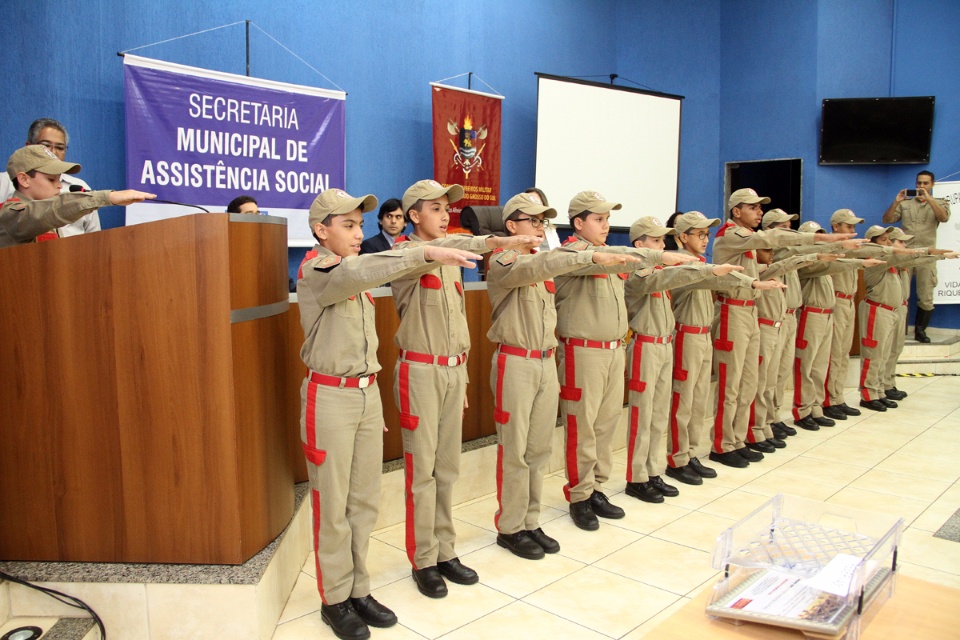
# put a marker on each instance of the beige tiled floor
(620, 581)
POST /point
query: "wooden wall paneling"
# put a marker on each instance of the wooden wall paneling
(388, 321)
(258, 261)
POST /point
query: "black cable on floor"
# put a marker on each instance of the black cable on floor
(66, 599)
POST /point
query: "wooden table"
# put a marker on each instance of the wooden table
(918, 610)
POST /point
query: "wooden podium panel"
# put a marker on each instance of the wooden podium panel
(141, 424)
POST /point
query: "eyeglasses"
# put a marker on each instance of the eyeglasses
(52, 145)
(536, 223)
(703, 235)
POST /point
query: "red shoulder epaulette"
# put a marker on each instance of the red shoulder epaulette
(401, 238)
(723, 228)
(310, 255)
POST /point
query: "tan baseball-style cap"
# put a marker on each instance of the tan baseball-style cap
(590, 201)
(527, 203)
(845, 216)
(693, 220)
(876, 230)
(776, 215)
(896, 233)
(430, 190)
(336, 202)
(811, 227)
(649, 226)
(745, 196)
(36, 157)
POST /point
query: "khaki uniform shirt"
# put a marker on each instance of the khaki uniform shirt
(773, 303)
(21, 221)
(883, 281)
(590, 302)
(693, 303)
(521, 291)
(337, 312)
(917, 219)
(735, 245)
(648, 298)
(817, 284)
(433, 317)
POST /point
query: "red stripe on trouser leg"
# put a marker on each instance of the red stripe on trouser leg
(826, 388)
(801, 327)
(573, 473)
(632, 440)
(721, 396)
(869, 342)
(674, 430)
(315, 501)
(797, 389)
(411, 532)
(864, 392)
(496, 517)
(311, 433)
(500, 417)
(410, 521)
(722, 343)
(311, 419)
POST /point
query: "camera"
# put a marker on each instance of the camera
(911, 193)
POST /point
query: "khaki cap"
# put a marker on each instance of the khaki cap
(776, 215)
(36, 157)
(693, 220)
(336, 202)
(649, 226)
(429, 190)
(527, 203)
(896, 233)
(841, 216)
(811, 227)
(590, 201)
(876, 230)
(745, 196)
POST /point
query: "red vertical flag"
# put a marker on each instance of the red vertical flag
(466, 145)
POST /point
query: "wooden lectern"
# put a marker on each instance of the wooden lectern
(146, 396)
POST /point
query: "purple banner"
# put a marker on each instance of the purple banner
(205, 137)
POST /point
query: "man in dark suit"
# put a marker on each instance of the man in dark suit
(391, 226)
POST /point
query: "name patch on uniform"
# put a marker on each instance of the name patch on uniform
(327, 262)
(506, 258)
(743, 232)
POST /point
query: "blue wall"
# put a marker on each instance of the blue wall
(753, 73)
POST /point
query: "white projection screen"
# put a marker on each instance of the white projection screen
(621, 142)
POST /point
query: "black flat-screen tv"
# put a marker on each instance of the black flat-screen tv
(876, 130)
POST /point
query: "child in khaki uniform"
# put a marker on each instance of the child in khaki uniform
(693, 352)
(342, 420)
(524, 373)
(591, 324)
(650, 360)
(430, 385)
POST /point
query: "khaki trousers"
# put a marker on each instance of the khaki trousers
(526, 396)
(342, 435)
(899, 340)
(877, 326)
(763, 406)
(926, 275)
(814, 335)
(591, 398)
(430, 398)
(692, 357)
(787, 351)
(736, 358)
(649, 368)
(843, 318)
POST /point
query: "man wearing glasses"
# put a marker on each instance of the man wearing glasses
(53, 135)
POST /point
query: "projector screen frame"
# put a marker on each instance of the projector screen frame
(561, 208)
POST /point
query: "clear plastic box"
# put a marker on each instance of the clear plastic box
(767, 556)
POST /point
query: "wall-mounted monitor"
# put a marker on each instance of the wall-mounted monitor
(876, 130)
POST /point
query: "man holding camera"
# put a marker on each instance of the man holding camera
(920, 214)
